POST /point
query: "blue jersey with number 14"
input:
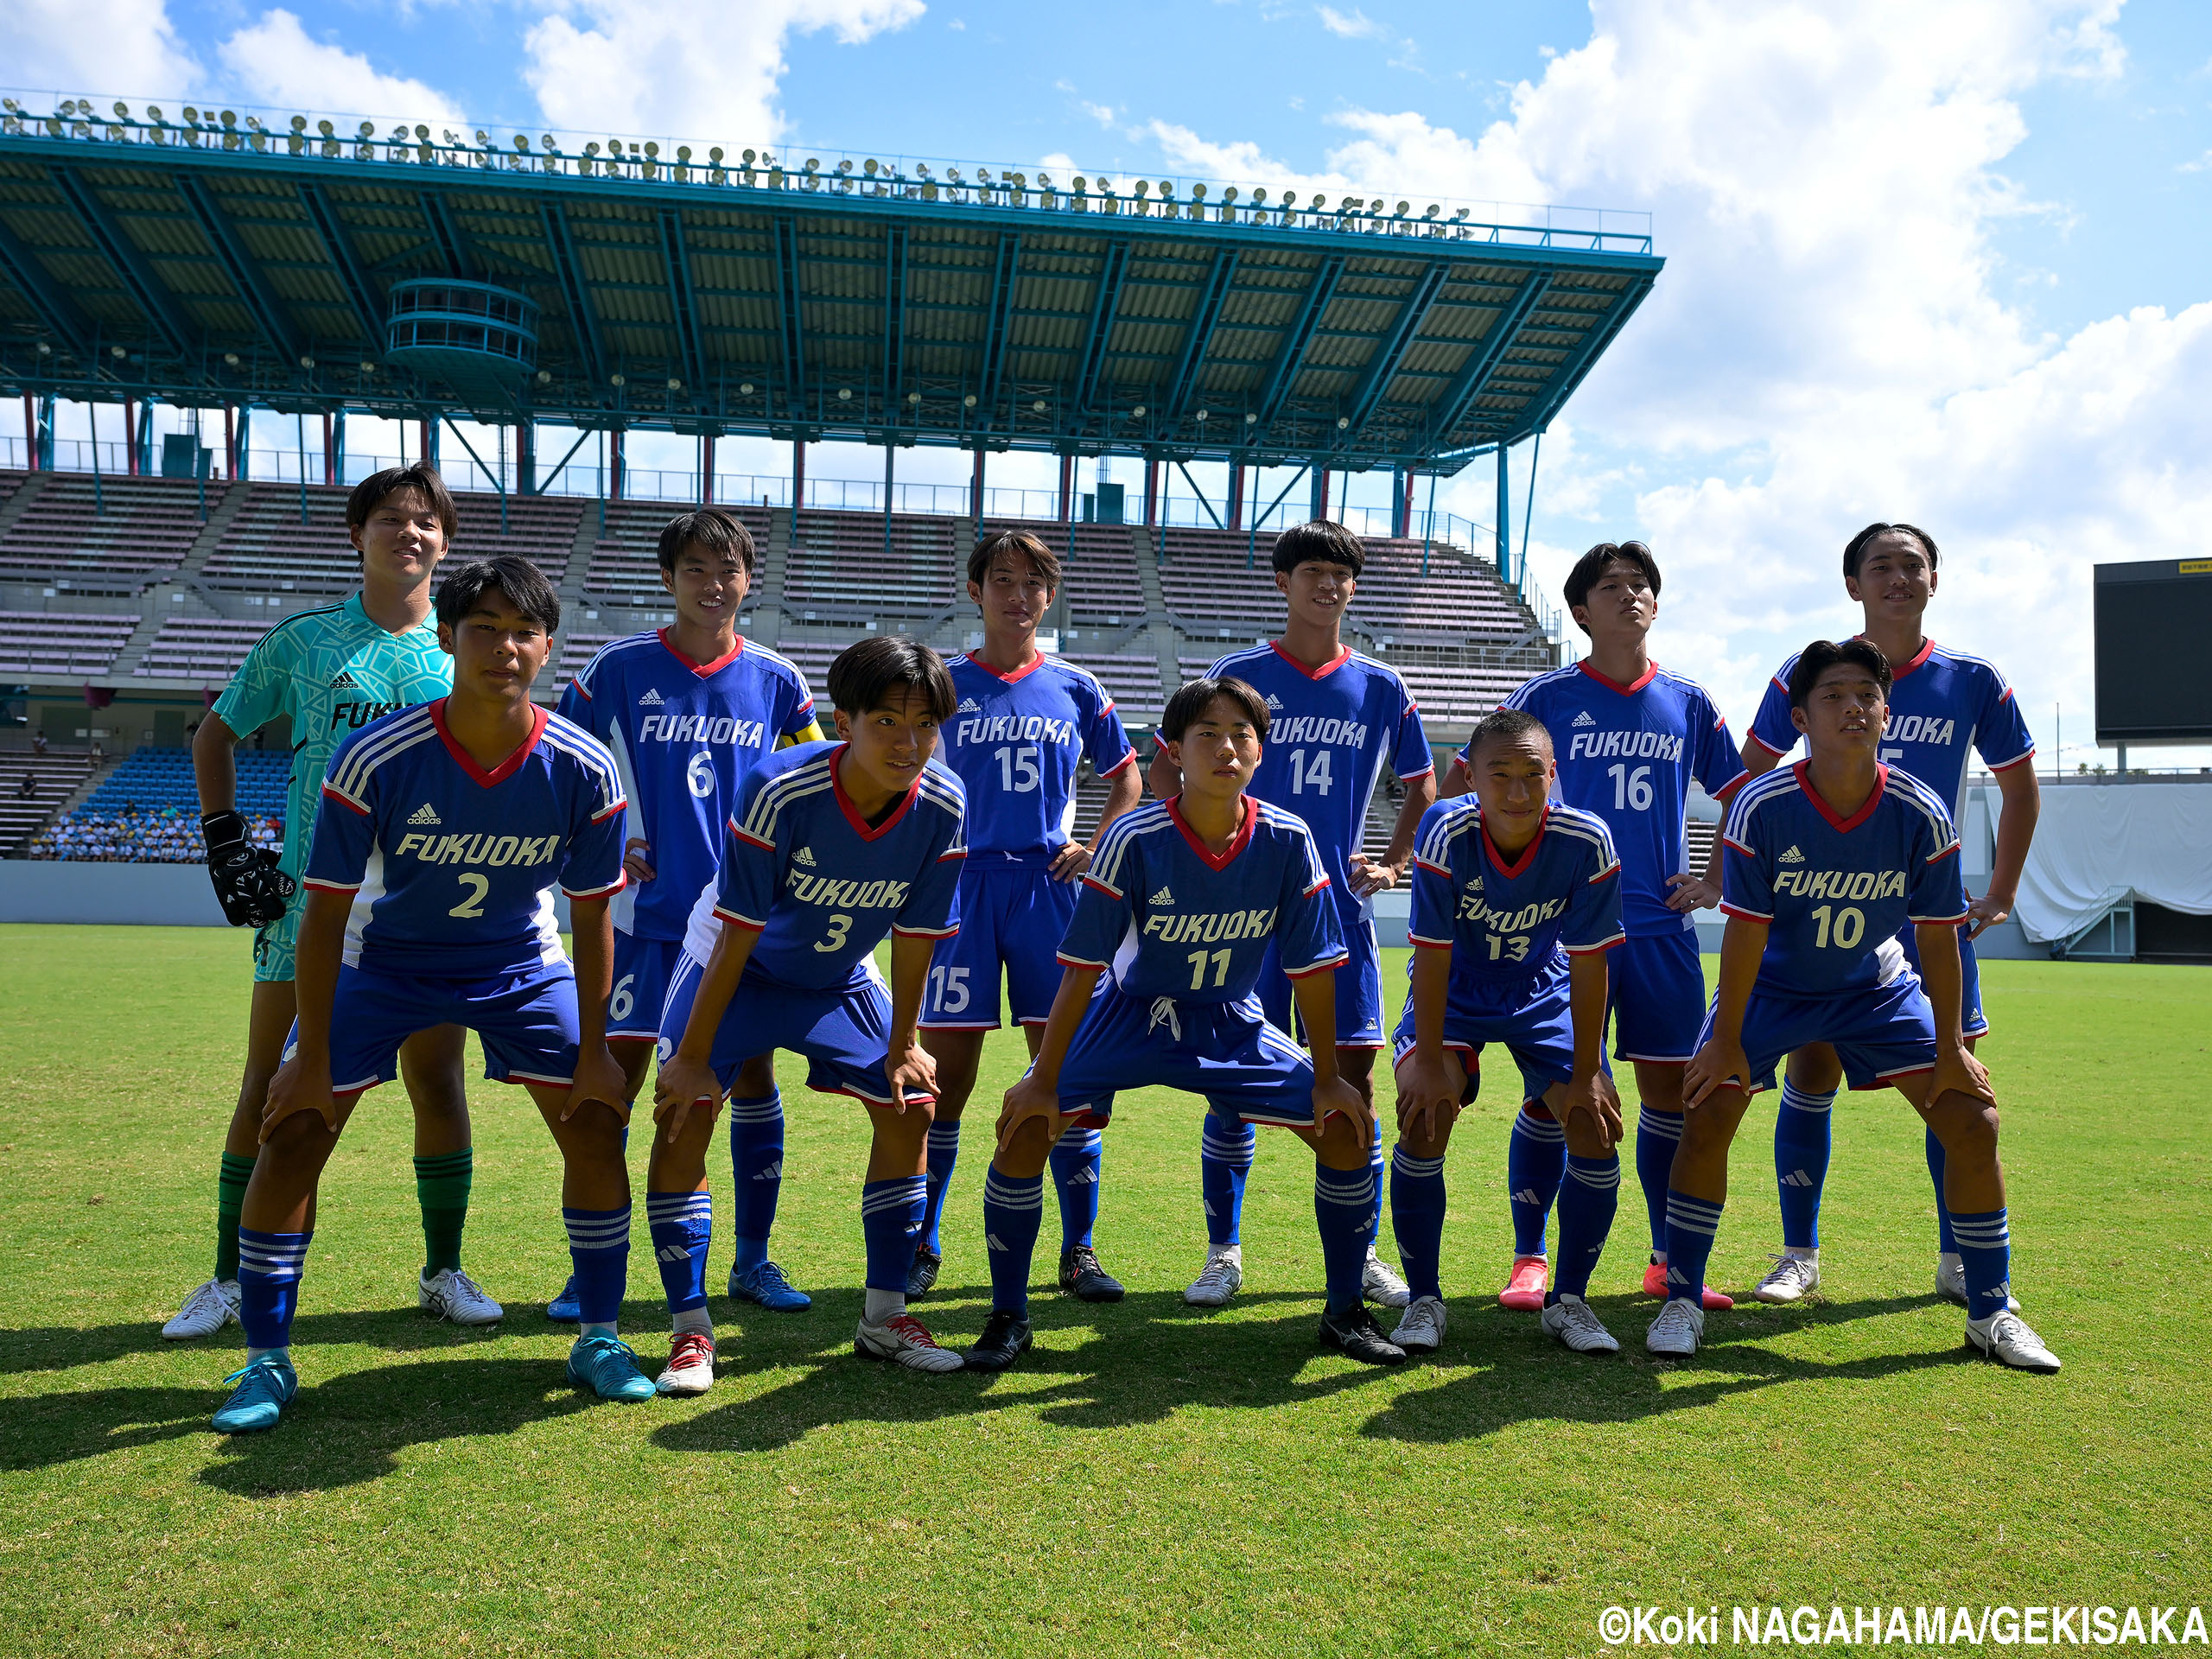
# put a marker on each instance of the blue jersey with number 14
(1015, 742)
(683, 733)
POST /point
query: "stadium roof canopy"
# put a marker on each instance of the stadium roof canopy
(211, 261)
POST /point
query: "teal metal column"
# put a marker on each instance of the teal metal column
(525, 456)
(1504, 516)
(338, 447)
(245, 432)
(45, 439)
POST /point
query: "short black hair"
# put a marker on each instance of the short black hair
(865, 675)
(1322, 539)
(422, 477)
(523, 582)
(1506, 726)
(1592, 565)
(1824, 654)
(1041, 558)
(1854, 550)
(713, 529)
(1191, 697)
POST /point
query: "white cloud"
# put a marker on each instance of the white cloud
(1357, 26)
(274, 62)
(710, 73)
(72, 47)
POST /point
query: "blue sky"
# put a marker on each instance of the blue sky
(1938, 260)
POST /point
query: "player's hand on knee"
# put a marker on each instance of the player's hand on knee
(1338, 1098)
(681, 1085)
(1028, 1101)
(1426, 1101)
(297, 1088)
(1958, 1072)
(1713, 1066)
(1596, 1098)
(911, 1069)
(598, 1077)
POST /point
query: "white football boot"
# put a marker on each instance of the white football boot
(1379, 1282)
(1573, 1322)
(1793, 1277)
(2005, 1338)
(449, 1293)
(901, 1340)
(1221, 1279)
(1421, 1329)
(206, 1311)
(691, 1367)
(1677, 1331)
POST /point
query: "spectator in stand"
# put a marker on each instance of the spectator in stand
(38, 741)
(27, 788)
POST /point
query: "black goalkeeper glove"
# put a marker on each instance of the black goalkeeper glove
(251, 888)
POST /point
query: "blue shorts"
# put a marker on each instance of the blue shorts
(642, 970)
(844, 1032)
(1359, 989)
(1972, 1021)
(525, 1019)
(1657, 997)
(1538, 1033)
(1011, 916)
(1246, 1068)
(1880, 1034)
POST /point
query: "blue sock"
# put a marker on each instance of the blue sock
(1657, 1134)
(1343, 1200)
(1587, 1199)
(1377, 1166)
(756, 1164)
(269, 1266)
(890, 1220)
(599, 1248)
(1417, 1214)
(1535, 1158)
(1013, 1208)
(1225, 1150)
(1800, 1162)
(1074, 1171)
(1984, 1251)
(943, 1154)
(1691, 1224)
(1947, 1237)
(682, 1225)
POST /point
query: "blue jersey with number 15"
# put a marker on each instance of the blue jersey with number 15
(1015, 741)
(683, 733)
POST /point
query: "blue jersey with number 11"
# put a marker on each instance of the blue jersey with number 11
(1015, 742)
(683, 733)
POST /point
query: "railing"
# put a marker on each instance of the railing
(907, 178)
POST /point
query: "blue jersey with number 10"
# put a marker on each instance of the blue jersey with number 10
(683, 733)
(817, 882)
(452, 868)
(1834, 892)
(1015, 742)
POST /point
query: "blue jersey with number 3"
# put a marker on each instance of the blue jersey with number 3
(452, 868)
(683, 733)
(1015, 741)
(820, 885)
(1834, 892)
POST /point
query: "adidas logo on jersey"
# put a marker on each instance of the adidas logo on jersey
(970, 706)
(651, 699)
(1163, 897)
(1793, 856)
(426, 814)
(1274, 702)
(805, 855)
(344, 682)
(1585, 718)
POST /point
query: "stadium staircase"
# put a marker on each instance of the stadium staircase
(58, 780)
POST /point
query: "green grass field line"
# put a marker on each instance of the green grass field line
(1151, 1480)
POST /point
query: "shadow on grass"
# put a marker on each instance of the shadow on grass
(398, 1330)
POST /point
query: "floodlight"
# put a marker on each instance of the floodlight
(1078, 184)
(1342, 423)
(307, 362)
(716, 155)
(1039, 406)
(813, 164)
(921, 169)
(684, 152)
(675, 384)
(299, 122)
(482, 137)
(953, 174)
(231, 359)
(748, 158)
(45, 350)
(546, 377)
(69, 107)
(1020, 181)
(1251, 420)
(913, 397)
(1142, 186)
(652, 149)
(154, 113)
(546, 139)
(1138, 412)
(844, 168)
(1402, 208)
(1432, 211)
(1201, 415)
(617, 380)
(121, 110)
(591, 148)
(115, 351)
(522, 139)
(1319, 200)
(421, 132)
(1199, 193)
(867, 167)
(983, 174)
(368, 367)
(1044, 180)
(229, 117)
(1259, 196)
(844, 394)
(969, 401)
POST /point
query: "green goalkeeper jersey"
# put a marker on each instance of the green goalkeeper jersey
(333, 670)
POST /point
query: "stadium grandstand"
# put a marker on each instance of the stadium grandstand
(247, 269)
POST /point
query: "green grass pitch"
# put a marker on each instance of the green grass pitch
(1151, 1480)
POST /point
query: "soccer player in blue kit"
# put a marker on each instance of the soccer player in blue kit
(1629, 736)
(1823, 865)
(442, 830)
(831, 847)
(1516, 902)
(1944, 706)
(1186, 898)
(1338, 718)
(686, 711)
(1025, 724)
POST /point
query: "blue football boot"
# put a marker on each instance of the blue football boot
(764, 1283)
(606, 1366)
(565, 1309)
(265, 1386)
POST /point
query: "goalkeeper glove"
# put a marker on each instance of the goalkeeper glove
(251, 888)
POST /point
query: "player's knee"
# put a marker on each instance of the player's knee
(756, 1078)
(1339, 1144)
(1583, 1138)
(1967, 1128)
(594, 1130)
(1026, 1151)
(300, 1143)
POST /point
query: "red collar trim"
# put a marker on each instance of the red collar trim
(1898, 670)
(1528, 854)
(1014, 678)
(1217, 862)
(507, 768)
(1802, 772)
(852, 815)
(1650, 670)
(1343, 655)
(702, 669)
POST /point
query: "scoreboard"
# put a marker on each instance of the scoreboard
(2154, 652)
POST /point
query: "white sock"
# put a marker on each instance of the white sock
(693, 1318)
(283, 1353)
(1236, 1253)
(605, 1330)
(884, 1305)
(1802, 1252)
(1949, 1258)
